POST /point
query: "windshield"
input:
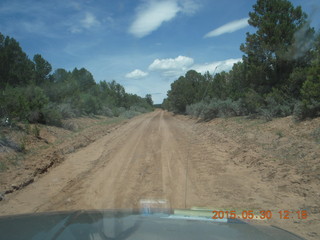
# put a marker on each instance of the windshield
(189, 107)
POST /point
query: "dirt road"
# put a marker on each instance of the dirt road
(153, 156)
(146, 158)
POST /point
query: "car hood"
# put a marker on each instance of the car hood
(130, 224)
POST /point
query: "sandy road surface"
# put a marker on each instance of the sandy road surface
(153, 156)
(146, 158)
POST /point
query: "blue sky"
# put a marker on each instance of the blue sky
(143, 44)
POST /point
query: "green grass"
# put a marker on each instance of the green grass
(3, 167)
(16, 159)
(279, 133)
(36, 131)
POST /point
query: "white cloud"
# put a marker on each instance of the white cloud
(180, 62)
(137, 73)
(189, 7)
(89, 21)
(171, 67)
(151, 15)
(217, 66)
(228, 28)
(174, 67)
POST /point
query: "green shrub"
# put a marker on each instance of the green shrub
(51, 115)
(303, 110)
(266, 114)
(14, 104)
(36, 97)
(66, 110)
(35, 116)
(216, 108)
(105, 111)
(89, 104)
(299, 111)
(36, 131)
(310, 93)
(22, 145)
(129, 114)
(229, 108)
(253, 101)
(36, 100)
(141, 109)
(313, 107)
(118, 111)
(72, 126)
(276, 105)
(196, 109)
(276, 110)
(210, 112)
(311, 88)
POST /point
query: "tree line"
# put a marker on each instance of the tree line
(31, 92)
(279, 74)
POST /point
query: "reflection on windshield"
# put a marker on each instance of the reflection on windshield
(185, 110)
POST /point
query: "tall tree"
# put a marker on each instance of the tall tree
(118, 93)
(310, 90)
(15, 66)
(268, 58)
(61, 75)
(186, 90)
(149, 99)
(219, 86)
(84, 78)
(42, 68)
(237, 85)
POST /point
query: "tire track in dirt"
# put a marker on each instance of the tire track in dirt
(142, 169)
(145, 158)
